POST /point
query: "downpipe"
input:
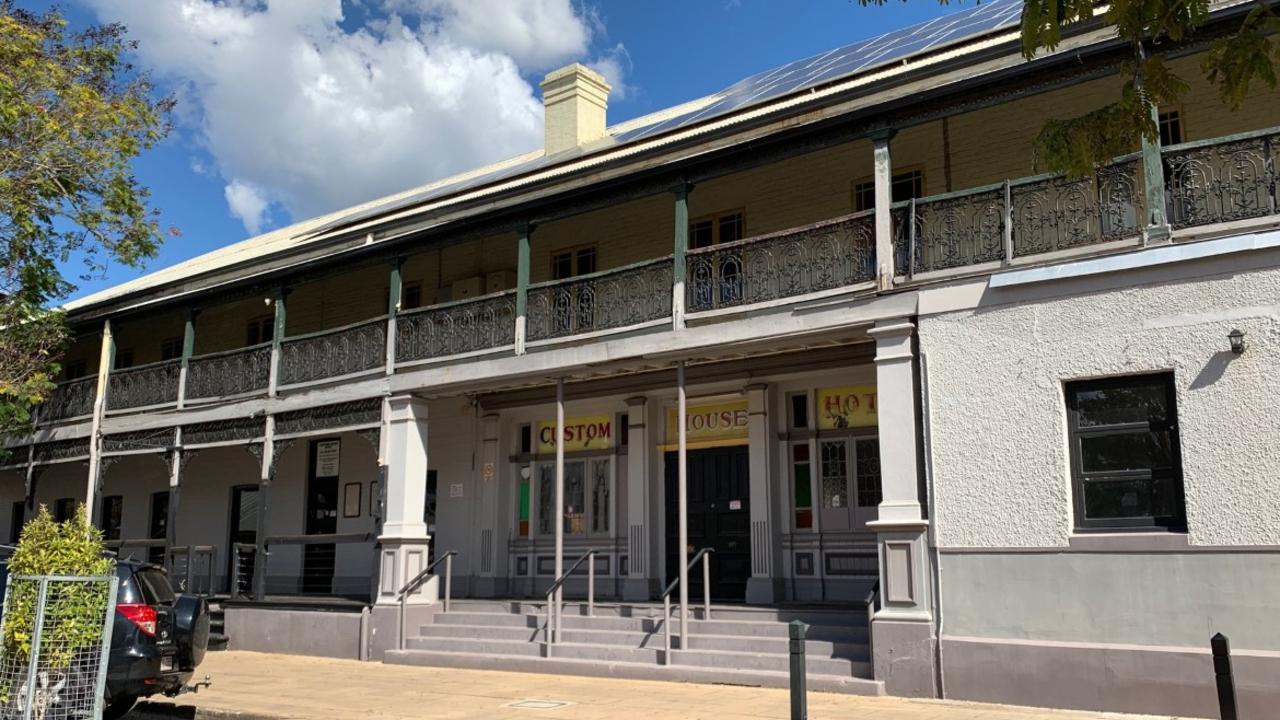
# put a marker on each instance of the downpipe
(936, 575)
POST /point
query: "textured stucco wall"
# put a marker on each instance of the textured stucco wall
(998, 423)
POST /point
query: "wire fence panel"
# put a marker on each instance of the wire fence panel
(56, 635)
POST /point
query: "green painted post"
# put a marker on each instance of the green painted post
(188, 349)
(680, 249)
(1153, 179)
(277, 335)
(522, 285)
(395, 286)
(799, 699)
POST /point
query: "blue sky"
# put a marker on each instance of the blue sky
(290, 108)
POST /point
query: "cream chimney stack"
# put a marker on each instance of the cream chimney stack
(575, 99)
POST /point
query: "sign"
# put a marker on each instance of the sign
(735, 504)
(721, 421)
(487, 471)
(455, 490)
(328, 455)
(846, 407)
(594, 432)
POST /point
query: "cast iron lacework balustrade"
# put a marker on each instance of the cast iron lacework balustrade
(1056, 213)
(823, 256)
(224, 374)
(330, 417)
(454, 328)
(1222, 180)
(144, 386)
(220, 431)
(139, 440)
(605, 300)
(73, 398)
(950, 231)
(59, 450)
(332, 353)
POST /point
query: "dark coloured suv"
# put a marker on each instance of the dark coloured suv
(158, 640)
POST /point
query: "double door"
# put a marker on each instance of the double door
(719, 516)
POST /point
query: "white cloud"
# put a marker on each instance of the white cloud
(615, 65)
(247, 203)
(297, 112)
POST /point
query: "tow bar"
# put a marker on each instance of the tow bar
(193, 688)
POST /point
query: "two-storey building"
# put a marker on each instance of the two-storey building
(997, 435)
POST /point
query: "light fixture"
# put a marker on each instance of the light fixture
(1236, 337)
(526, 472)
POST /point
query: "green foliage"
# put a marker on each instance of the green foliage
(73, 611)
(1076, 146)
(73, 115)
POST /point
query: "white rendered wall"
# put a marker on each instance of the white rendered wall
(997, 420)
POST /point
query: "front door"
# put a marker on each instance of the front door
(244, 531)
(719, 487)
(318, 561)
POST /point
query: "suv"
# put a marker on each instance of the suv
(157, 641)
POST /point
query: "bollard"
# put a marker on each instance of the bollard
(799, 699)
(1226, 681)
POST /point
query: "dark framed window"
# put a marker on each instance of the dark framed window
(124, 359)
(171, 348)
(260, 330)
(722, 227)
(1126, 464)
(64, 509)
(905, 185)
(574, 262)
(73, 369)
(1170, 122)
(112, 515)
(159, 525)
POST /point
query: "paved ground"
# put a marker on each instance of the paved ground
(255, 686)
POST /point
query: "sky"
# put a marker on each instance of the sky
(288, 109)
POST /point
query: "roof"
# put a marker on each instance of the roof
(791, 79)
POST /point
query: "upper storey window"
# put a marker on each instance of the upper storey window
(906, 185)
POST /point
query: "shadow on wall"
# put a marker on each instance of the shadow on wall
(1213, 370)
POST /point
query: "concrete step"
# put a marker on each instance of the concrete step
(810, 615)
(632, 670)
(765, 629)
(497, 648)
(482, 632)
(771, 662)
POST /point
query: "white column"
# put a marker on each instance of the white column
(902, 630)
(105, 359)
(558, 508)
(636, 585)
(682, 504)
(404, 538)
(761, 587)
(884, 210)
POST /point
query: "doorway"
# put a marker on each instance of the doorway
(244, 531)
(319, 561)
(719, 498)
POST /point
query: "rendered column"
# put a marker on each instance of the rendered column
(637, 585)
(404, 540)
(762, 587)
(902, 631)
(884, 208)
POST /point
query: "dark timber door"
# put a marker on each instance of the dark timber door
(244, 531)
(322, 519)
(719, 518)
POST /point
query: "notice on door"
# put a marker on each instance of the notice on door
(328, 457)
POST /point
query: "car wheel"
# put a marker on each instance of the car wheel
(117, 707)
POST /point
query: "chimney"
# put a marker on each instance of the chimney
(575, 99)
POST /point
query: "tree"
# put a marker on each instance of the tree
(73, 114)
(1234, 63)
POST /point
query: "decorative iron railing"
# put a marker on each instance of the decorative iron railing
(70, 399)
(605, 300)
(464, 326)
(233, 372)
(144, 386)
(826, 255)
(1224, 179)
(342, 351)
(950, 231)
(1056, 213)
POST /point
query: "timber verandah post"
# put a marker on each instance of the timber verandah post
(524, 232)
(885, 270)
(268, 450)
(1157, 225)
(394, 289)
(176, 460)
(680, 248)
(106, 360)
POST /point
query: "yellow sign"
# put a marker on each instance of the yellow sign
(594, 432)
(721, 421)
(846, 407)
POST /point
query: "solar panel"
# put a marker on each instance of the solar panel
(762, 87)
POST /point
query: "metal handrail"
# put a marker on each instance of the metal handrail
(403, 595)
(191, 552)
(872, 599)
(703, 555)
(549, 637)
(233, 588)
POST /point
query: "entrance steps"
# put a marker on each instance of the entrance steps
(739, 645)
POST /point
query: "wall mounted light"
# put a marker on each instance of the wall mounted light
(1236, 337)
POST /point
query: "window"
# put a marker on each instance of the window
(803, 486)
(410, 296)
(718, 228)
(526, 472)
(906, 185)
(74, 369)
(526, 438)
(171, 348)
(573, 262)
(799, 419)
(64, 509)
(112, 512)
(579, 518)
(124, 358)
(1126, 467)
(260, 330)
(835, 473)
(159, 525)
(867, 461)
(1170, 122)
